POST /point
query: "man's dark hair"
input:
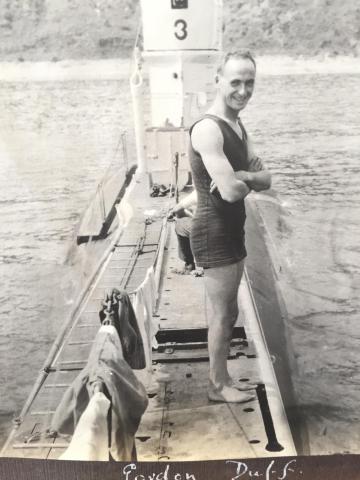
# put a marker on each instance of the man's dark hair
(244, 54)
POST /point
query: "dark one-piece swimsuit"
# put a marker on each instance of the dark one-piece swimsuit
(217, 233)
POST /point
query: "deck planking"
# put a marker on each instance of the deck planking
(73, 353)
(180, 422)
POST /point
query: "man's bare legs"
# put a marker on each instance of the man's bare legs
(221, 286)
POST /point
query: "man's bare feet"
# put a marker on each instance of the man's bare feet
(229, 395)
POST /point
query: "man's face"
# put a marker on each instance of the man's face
(236, 83)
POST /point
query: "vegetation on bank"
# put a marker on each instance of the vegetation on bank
(92, 29)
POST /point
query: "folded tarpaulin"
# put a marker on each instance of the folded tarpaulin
(128, 396)
(125, 322)
(91, 440)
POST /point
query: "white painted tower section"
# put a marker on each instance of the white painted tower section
(182, 41)
(182, 24)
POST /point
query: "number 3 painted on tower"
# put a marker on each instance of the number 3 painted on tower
(181, 29)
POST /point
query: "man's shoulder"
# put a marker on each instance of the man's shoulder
(206, 136)
(206, 127)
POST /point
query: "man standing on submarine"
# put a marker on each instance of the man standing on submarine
(225, 170)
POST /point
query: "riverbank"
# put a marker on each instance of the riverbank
(34, 30)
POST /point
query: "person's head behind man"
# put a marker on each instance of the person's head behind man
(235, 80)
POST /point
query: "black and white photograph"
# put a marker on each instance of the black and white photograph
(180, 200)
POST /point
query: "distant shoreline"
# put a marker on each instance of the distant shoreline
(120, 68)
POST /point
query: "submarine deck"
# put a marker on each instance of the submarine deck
(180, 422)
